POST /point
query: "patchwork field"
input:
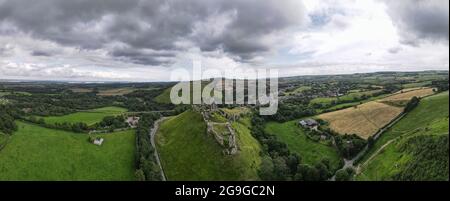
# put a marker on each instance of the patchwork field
(115, 92)
(348, 97)
(188, 153)
(89, 117)
(366, 119)
(416, 146)
(37, 153)
(310, 151)
(401, 98)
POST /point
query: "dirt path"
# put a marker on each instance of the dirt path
(153, 132)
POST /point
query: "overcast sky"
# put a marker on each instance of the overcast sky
(143, 40)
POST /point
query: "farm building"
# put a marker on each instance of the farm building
(98, 141)
(132, 121)
(308, 123)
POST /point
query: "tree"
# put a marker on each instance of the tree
(139, 174)
(412, 104)
(342, 175)
(266, 170)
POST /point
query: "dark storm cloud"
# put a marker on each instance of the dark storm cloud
(155, 24)
(144, 57)
(420, 19)
(40, 53)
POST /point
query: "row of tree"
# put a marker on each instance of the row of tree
(147, 168)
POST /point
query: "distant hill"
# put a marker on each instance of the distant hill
(416, 148)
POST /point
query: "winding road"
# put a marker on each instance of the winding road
(152, 140)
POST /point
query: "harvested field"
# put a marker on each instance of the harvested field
(401, 98)
(408, 94)
(363, 120)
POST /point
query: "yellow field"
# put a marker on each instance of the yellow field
(407, 94)
(366, 119)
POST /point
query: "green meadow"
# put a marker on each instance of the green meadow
(311, 152)
(89, 117)
(37, 153)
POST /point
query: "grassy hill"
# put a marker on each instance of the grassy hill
(296, 140)
(188, 153)
(164, 97)
(416, 148)
(37, 153)
(89, 117)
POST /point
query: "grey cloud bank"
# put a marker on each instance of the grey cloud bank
(143, 39)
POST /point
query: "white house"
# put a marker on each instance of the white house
(98, 141)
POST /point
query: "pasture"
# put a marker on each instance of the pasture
(37, 153)
(115, 92)
(311, 152)
(89, 117)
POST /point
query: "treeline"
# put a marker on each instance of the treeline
(77, 127)
(111, 123)
(142, 100)
(279, 164)
(7, 116)
(291, 111)
(440, 85)
(147, 168)
(59, 104)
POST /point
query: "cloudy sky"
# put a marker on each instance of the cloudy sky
(143, 40)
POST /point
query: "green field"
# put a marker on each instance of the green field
(417, 84)
(89, 117)
(3, 139)
(298, 90)
(347, 97)
(427, 122)
(188, 153)
(37, 153)
(310, 151)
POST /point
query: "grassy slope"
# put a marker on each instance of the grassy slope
(188, 153)
(37, 153)
(89, 117)
(3, 139)
(416, 119)
(429, 119)
(164, 97)
(310, 151)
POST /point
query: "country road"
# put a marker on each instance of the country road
(153, 132)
